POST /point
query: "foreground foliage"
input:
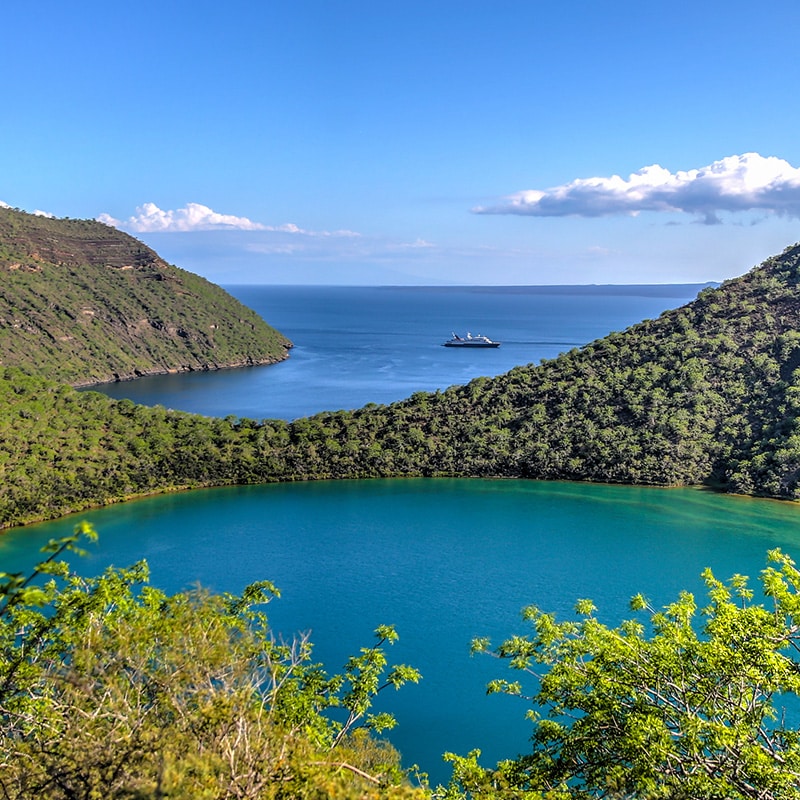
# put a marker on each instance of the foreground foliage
(688, 704)
(111, 689)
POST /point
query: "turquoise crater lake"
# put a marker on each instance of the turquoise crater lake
(444, 560)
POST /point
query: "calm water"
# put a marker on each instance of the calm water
(359, 345)
(444, 560)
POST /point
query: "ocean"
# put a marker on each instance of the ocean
(359, 345)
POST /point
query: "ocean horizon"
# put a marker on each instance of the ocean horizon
(355, 345)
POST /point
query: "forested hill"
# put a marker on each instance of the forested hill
(707, 393)
(83, 303)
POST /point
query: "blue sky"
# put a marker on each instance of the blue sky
(501, 142)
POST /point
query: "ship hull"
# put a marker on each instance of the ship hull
(472, 344)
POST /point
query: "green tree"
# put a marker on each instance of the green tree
(110, 688)
(686, 704)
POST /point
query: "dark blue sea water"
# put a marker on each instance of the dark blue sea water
(359, 345)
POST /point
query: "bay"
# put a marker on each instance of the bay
(379, 344)
(444, 560)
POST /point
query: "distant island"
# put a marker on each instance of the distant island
(706, 394)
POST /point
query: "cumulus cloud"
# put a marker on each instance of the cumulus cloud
(149, 218)
(736, 183)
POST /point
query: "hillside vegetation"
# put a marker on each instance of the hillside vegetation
(707, 393)
(83, 303)
(109, 688)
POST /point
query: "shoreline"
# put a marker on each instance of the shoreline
(184, 369)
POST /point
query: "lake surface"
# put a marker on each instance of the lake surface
(359, 345)
(444, 560)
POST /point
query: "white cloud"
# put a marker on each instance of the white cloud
(149, 218)
(290, 227)
(736, 183)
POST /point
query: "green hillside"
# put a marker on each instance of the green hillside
(83, 303)
(705, 394)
